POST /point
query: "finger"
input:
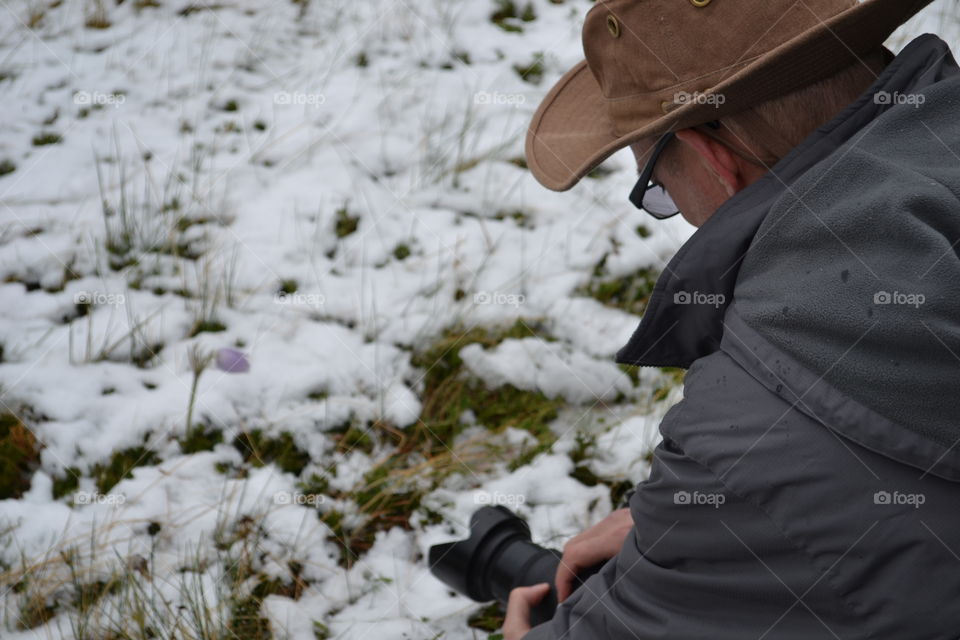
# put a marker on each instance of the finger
(566, 571)
(517, 622)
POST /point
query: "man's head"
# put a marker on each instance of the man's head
(701, 167)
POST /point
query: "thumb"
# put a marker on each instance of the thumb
(523, 598)
(538, 591)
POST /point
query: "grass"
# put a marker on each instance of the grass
(532, 71)
(121, 465)
(103, 595)
(97, 18)
(259, 449)
(630, 293)
(509, 17)
(200, 438)
(414, 461)
(345, 223)
(46, 137)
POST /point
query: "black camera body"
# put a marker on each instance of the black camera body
(498, 557)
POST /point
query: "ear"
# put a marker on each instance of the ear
(717, 158)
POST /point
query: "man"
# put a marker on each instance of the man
(807, 484)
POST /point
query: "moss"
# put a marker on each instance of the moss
(674, 377)
(245, 619)
(67, 483)
(7, 166)
(121, 465)
(320, 631)
(316, 485)
(643, 231)
(46, 137)
(19, 456)
(345, 223)
(318, 394)
(260, 449)
(519, 216)
(200, 438)
(355, 437)
(488, 618)
(231, 105)
(207, 326)
(449, 391)
(529, 14)
(533, 71)
(506, 16)
(631, 293)
(401, 251)
(583, 447)
(287, 286)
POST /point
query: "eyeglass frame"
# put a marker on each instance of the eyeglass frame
(644, 182)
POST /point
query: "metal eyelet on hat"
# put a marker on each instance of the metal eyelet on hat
(700, 3)
(613, 25)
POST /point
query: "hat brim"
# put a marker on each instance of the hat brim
(571, 132)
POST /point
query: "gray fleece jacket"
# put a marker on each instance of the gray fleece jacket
(806, 485)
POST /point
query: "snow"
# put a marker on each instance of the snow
(256, 123)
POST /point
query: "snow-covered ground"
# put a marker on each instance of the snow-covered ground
(331, 188)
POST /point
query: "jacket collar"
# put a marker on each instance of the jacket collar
(684, 318)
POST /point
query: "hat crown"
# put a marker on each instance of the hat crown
(659, 52)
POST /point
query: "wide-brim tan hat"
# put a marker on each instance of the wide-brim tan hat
(654, 66)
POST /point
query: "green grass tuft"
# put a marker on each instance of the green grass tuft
(121, 465)
(259, 449)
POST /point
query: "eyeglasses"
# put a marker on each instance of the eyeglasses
(651, 196)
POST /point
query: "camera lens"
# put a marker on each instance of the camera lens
(498, 557)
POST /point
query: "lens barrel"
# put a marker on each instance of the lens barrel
(498, 557)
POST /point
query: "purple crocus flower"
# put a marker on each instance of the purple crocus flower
(232, 361)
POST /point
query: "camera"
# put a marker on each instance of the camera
(497, 557)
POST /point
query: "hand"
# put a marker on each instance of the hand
(522, 599)
(600, 542)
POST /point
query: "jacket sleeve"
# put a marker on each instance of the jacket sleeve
(689, 568)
